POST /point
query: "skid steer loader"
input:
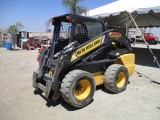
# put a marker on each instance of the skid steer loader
(82, 56)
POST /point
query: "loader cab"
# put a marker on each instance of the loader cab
(73, 28)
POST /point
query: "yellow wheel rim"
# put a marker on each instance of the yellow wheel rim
(121, 79)
(82, 89)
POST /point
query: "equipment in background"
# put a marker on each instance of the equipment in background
(30, 44)
(44, 42)
(21, 38)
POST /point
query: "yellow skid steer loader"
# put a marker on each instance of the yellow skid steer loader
(82, 56)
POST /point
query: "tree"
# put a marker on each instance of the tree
(13, 29)
(75, 7)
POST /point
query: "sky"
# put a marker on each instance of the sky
(34, 13)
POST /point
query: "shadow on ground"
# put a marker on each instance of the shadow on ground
(145, 58)
(67, 106)
(60, 101)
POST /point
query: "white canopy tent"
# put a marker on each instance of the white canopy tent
(146, 13)
(130, 13)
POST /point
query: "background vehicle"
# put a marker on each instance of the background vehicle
(86, 57)
(43, 44)
(30, 44)
(134, 35)
(38, 42)
(150, 38)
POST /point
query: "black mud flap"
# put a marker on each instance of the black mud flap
(51, 91)
(48, 89)
(35, 77)
(56, 94)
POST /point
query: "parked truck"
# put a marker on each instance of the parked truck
(149, 37)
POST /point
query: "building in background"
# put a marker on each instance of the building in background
(41, 34)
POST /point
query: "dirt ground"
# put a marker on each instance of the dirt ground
(18, 101)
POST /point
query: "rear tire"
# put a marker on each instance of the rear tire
(152, 42)
(155, 42)
(78, 88)
(116, 78)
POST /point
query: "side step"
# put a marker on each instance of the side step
(47, 88)
(42, 87)
(50, 93)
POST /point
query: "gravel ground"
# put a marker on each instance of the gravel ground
(18, 101)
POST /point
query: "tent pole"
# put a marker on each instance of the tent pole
(127, 26)
(149, 30)
(155, 58)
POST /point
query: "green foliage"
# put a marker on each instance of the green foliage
(74, 6)
(15, 28)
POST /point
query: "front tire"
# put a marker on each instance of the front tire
(132, 40)
(78, 88)
(116, 78)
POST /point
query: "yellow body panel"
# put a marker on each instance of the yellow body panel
(128, 61)
(99, 78)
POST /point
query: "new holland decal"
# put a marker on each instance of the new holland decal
(87, 48)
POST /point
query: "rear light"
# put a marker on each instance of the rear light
(38, 58)
(70, 18)
(53, 22)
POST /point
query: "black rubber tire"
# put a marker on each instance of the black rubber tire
(111, 76)
(151, 42)
(155, 42)
(132, 40)
(68, 86)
